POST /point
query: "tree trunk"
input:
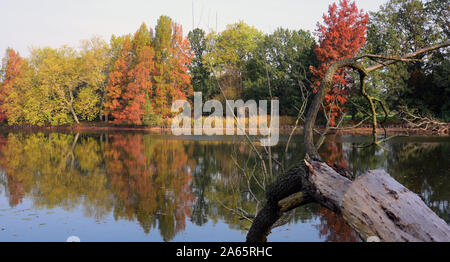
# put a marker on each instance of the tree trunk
(70, 105)
(74, 114)
(286, 185)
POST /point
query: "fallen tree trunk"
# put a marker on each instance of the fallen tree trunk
(377, 205)
(374, 204)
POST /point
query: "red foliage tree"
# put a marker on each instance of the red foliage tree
(12, 70)
(341, 36)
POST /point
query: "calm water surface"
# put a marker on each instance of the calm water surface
(145, 187)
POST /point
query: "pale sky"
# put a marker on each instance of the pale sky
(27, 23)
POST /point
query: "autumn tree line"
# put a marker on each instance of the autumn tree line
(134, 78)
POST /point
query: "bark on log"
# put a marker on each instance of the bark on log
(286, 185)
(291, 202)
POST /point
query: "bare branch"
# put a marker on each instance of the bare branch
(393, 60)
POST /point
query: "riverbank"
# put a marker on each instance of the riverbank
(283, 130)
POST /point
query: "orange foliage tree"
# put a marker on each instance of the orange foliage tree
(341, 36)
(149, 74)
(181, 58)
(11, 70)
(140, 86)
(117, 84)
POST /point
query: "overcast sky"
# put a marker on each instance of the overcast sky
(27, 23)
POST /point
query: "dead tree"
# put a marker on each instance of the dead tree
(374, 204)
(424, 123)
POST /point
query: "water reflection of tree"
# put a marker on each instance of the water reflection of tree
(163, 182)
(150, 181)
(218, 185)
(332, 227)
(332, 152)
(46, 168)
(424, 168)
(134, 176)
(158, 182)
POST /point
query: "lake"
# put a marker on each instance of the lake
(136, 186)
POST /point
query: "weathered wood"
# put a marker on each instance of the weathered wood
(377, 205)
(328, 186)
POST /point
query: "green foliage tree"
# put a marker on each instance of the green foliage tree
(94, 56)
(228, 54)
(161, 44)
(279, 67)
(58, 78)
(201, 78)
(59, 86)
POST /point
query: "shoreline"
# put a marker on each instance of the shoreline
(283, 130)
